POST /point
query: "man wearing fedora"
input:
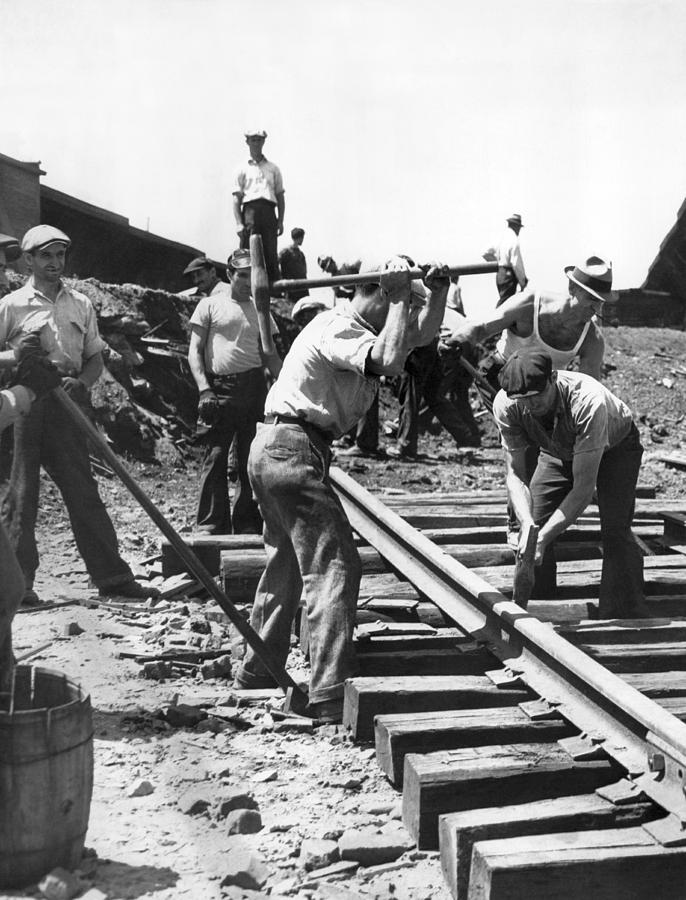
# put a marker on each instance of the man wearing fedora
(588, 441)
(508, 255)
(258, 201)
(227, 363)
(65, 321)
(203, 274)
(563, 325)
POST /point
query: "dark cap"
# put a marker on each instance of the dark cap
(200, 262)
(239, 259)
(516, 219)
(11, 247)
(526, 372)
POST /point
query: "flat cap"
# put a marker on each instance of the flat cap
(41, 236)
(258, 132)
(307, 303)
(239, 259)
(11, 247)
(527, 372)
(200, 262)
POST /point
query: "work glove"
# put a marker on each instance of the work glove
(76, 389)
(34, 370)
(208, 407)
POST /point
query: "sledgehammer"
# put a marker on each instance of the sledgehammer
(297, 699)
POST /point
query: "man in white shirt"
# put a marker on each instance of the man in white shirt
(46, 436)
(329, 379)
(226, 360)
(259, 203)
(508, 255)
(203, 273)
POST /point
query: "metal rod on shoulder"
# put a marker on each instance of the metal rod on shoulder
(298, 700)
(286, 285)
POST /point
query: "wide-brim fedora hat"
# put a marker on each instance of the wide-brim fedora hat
(594, 276)
(516, 219)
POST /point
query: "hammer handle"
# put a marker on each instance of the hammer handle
(298, 284)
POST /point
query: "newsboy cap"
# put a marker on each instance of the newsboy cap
(258, 132)
(527, 372)
(306, 303)
(41, 236)
(11, 247)
(200, 262)
(239, 259)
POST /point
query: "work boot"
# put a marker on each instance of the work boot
(130, 590)
(30, 599)
(326, 712)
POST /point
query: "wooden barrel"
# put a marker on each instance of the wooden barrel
(46, 775)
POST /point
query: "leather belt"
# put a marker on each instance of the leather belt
(303, 423)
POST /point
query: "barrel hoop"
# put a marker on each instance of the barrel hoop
(34, 759)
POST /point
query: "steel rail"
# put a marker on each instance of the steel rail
(613, 717)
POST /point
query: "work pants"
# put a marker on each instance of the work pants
(241, 407)
(310, 555)
(48, 437)
(446, 397)
(11, 593)
(621, 584)
(425, 377)
(506, 282)
(259, 217)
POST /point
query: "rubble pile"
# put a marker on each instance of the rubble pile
(146, 399)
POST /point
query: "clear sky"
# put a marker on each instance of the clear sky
(399, 125)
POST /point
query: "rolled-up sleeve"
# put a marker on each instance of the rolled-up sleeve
(512, 435)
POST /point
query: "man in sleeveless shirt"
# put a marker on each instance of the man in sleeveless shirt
(562, 326)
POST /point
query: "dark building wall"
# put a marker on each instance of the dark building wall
(19, 196)
(106, 247)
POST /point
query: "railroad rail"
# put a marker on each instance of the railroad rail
(614, 739)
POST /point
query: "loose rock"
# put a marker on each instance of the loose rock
(315, 854)
(244, 821)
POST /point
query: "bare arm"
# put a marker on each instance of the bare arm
(237, 214)
(196, 357)
(591, 352)
(388, 355)
(92, 370)
(425, 328)
(518, 310)
(584, 474)
(518, 486)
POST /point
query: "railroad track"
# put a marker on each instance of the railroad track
(543, 758)
(543, 752)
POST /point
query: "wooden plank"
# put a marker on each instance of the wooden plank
(398, 735)
(474, 777)
(639, 658)
(625, 631)
(603, 865)
(369, 697)
(425, 662)
(458, 832)
(658, 685)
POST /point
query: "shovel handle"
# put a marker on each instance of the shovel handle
(190, 560)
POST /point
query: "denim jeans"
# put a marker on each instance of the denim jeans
(47, 437)
(241, 398)
(310, 554)
(621, 584)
